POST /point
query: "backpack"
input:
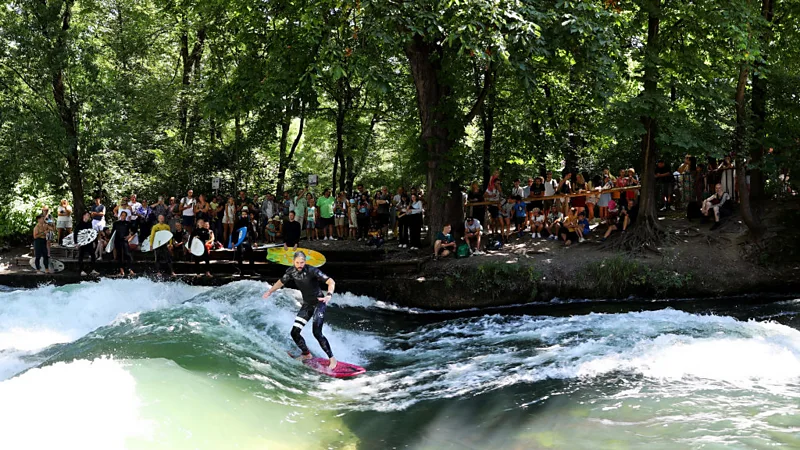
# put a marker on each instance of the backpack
(462, 251)
(494, 243)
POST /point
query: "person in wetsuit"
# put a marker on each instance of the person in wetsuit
(86, 224)
(307, 280)
(245, 248)
(202, 233)
(162, 253)
(122, 237)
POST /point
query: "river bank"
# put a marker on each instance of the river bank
(697, 263)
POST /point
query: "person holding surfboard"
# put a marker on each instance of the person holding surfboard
(162, 251)
(307, 278)
(83, 250)
(204, 235)
(245, 246)
(121, 232)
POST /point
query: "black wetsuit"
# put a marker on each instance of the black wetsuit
(204, 236)
(245, 247)
(120, 231)
(85, 249)
(291, 232)
(307, 281)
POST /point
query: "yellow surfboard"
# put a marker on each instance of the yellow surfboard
(284, 257)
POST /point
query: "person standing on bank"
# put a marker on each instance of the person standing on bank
(291, 232)
(40, 244)
(98, 215)
(202, 233)
(122, 237)
(162, 253)
(246, 247)
(187, 211)
(414, 213)
(307, 279)
(85, 224)
(64, 220)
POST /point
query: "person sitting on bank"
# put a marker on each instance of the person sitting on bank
(291, 232)
(553, 223)
(162, 253)
(376, 235)
(472, 234)
(625, 217)
(444, 244)
(717, 204)
(204, 235)
(569, 228)
(537, 223)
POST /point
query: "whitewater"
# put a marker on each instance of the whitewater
(136, 364)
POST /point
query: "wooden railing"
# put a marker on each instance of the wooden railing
(553, 197)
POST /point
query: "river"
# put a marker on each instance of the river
(136, 364)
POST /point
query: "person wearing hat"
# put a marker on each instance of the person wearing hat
(246, 246)
(472, 234)
(272, 229)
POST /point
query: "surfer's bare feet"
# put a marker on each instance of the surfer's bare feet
(302, 356)
(332, 363)
(130, 273)
(208, 274)
(173, 275)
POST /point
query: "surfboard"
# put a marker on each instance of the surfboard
(284, 257)
(161, 238)
(86, 237)
(342, 369)
(197, 247)
(145, 247)
(68, 241)
(55, 265)
(242, 233)
(110, 245)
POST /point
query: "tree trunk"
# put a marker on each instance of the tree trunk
(68, 114)
(285, 159)
(487, 120)
(740, 145)
(759, 110)
(191, 63)
(340, 116)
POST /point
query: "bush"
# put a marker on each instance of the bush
(623, 276)
(496, 279)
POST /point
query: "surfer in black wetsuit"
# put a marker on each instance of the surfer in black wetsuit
(307, 279)
(204, 235)
(245, 248)
(122, 237)
(88, 249)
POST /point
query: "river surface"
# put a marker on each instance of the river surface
(136, 364)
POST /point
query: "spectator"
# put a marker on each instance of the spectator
(340, 215)
(664, 182)
(121, 231)
(382, 203)
(325, 213)
(40, 232)
(393, 212)
(633, 180)
(51, 230)
(287, 206)
(161, 209)
(727, 175)
(241, 201)
(517, 189)
(475, 196)
(444, 244)
(554, 220)
(301, 210)
(493, 194)
(123, 207)
(311, 220)
(506, 216)
(583, 228)
(146, 219)
(363, 217)
(98, 215)
(565, 188)
(360, 191)
(187, 211)
(268, 210)
(376, 236)
(580, 187)
(472, 234)
(174, 213)
(272, 229)
(569, 227)
(415, 211)
(133, 217)
(716, 203)
(217, 211)
(537, 223)
(352, 218)
(64, 219)
(291, 232)
(625, 217)
(550, 187)
(535, 190)
(520, 215)
(605, 197)
(179, 237)
(228, 218)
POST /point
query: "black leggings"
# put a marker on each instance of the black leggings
(123, 254)
(40, 251)
(163, 257)
(204, 257)
(83, 251)
(305, 313)
(363, 226)
(245, 249)
(415, 228)
(402, 223)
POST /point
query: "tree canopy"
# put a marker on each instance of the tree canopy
(119, 96)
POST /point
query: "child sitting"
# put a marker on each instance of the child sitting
(583, 226)
(375, 236)
(537, 223)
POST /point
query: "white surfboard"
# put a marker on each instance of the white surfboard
(161, 238)
(86, 237)
(55, 265)
(197, 248)
(68, 241)
(145, 247)
(135, 240)
(110, 245)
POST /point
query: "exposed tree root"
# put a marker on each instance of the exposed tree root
(645, 234)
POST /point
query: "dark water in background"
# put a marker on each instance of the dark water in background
(138, 364)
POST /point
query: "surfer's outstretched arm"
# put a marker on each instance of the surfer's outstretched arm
(331, 287)
(274, 288)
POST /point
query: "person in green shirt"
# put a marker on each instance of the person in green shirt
(325, 204)
(444, 243)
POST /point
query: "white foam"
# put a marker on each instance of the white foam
(82, 404)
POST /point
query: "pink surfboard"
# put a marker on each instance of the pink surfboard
(342, 369)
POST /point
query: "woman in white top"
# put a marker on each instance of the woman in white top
(64, 220)
(414, 213)
(123, 206)
(228, 217)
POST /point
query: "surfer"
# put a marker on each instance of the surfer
(122, 237)
(40, 244)
(245, 248)
(83, 250)
(291, 233)
(307, 279)
(162, 252)
(204, 235)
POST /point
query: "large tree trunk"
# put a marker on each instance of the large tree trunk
(759, 110)
(339, 156)
(68, 114)
(284, 159)
(740, 145)
(487, 120)
(191, 63)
